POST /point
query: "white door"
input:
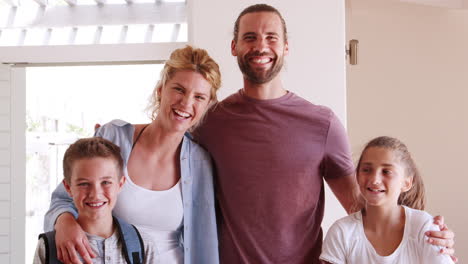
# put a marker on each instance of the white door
(12, 170)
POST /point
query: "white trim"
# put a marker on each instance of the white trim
(11, 16)
(89, 53)
(456, 4)
(70, 2)
(12, 2)
(101, 15)
(190, 24)
(100, 2)
(41, 2)
(18, 168)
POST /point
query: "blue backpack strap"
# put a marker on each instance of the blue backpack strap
(50, 248)
(132, 243)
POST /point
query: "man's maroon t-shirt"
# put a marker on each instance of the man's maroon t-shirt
(271, 157)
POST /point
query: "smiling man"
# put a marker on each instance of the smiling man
(272, 151)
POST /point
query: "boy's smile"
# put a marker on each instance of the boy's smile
(94, 186)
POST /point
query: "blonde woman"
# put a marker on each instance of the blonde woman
(169, 179)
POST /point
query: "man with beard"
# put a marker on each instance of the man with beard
(272, 150)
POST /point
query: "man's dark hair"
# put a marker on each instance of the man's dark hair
(255, 9)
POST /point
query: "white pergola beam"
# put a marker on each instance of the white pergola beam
(175, 32)
(72, 36)
(47, 36)
(124, 14)
(97, 35)
(101, 53)
(12, 2)
(123, 34)
(149, 33)
(41, 2)
(70, 2)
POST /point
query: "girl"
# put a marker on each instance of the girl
(387, 230)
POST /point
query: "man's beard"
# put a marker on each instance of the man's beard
(262, 76)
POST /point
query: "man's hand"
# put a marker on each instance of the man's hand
(444, 238)
(70, 238)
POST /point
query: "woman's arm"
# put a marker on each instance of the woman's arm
(60, 203)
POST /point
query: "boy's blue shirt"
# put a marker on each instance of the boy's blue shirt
(199, 233)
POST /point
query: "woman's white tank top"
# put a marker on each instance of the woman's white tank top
(157, 213)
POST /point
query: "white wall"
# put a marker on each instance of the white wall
(412, 83)
(315, 67)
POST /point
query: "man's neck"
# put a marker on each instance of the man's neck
(270, 90)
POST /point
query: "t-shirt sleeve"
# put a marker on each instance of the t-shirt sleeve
(334, 246)
(337, 157)
(430, 253)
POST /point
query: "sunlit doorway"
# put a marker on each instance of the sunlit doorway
(63, 104)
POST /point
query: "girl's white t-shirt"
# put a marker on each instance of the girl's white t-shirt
(346, 242)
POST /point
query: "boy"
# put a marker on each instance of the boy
(93, 177)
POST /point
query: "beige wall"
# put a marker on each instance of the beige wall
(412, 83)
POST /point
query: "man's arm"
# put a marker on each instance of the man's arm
(444, 238)
(347, 191)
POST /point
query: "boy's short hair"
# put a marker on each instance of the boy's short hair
(87, 148)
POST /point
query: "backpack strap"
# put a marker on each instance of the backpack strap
(50, 248)
(132, 243)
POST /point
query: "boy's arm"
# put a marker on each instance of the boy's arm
(60, 203)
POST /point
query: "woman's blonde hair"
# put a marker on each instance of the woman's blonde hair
(415, 197)
(187, 59)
